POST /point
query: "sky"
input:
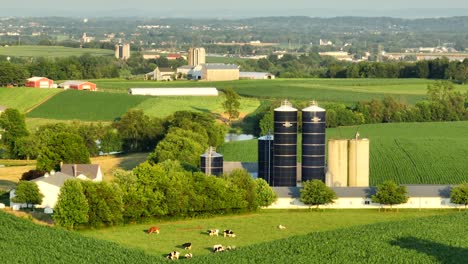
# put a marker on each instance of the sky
(235, 8)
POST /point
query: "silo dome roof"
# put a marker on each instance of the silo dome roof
(313, 108)
(286, 107)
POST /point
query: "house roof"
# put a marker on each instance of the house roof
(220, 66)
(73, 83)
(57, 179)
(414, 190)
(89, 170)
(34, 79)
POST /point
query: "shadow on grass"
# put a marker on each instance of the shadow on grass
(203, 110)
(443, 253)
(129, 162)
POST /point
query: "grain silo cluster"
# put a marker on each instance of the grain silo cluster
(348, 160)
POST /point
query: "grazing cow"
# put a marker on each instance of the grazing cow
(213, 232)
(281, 227)
(153, 229)
(218, 248)
(229, 233)
(173, 255)
(188, 255)
(231, 248)
(187, 245)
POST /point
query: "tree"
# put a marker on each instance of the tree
(459, 194)
(72, 206)
(14, 126)
(105, 203)
(265, 194)
(315, 192)
(12, 74)
(62, 147)
(27, 192)
(390, 193)
(231, 105)
(247, 186)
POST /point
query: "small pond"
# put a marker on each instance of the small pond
(237, 137)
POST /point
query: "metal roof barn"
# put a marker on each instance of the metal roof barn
(208, 91)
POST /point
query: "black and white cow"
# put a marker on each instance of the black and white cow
(218, 248)
(173, 255)
(187, 245)
(229, 233)
(213, 232)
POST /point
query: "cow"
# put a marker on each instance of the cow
(173, 255)
(213, 232)
(188, 255)
(231, 248)
(281, 227)
(218, 248)
(153, 229)
(229, 233)
(187, 245)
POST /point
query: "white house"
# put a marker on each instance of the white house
(421, 196)
(49, 185)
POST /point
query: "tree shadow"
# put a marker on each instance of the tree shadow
(203, 110)
(443, 253)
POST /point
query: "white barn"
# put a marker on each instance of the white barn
(421, 197)
(196, 91)
(256, 75)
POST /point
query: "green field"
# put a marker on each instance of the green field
(50, 51)
(24, 99)
(223, 60)
(250, 229)
(325, 90)
(86, 106)
(408, 153)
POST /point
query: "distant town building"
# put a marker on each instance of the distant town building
(196, 56)
(86, 39)
(325, 42)
(174, 56)
(339, 55)
(122, 51)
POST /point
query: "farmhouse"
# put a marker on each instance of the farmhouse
(49, 185)
(256, 75)
(421, 196)
(78, 85)
(220, 72)
(161, 74)
(197, 91)
(39, 82)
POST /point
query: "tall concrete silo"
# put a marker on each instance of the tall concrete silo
(313, 143)
(211, 162)
(338, 162)
(285, 145)
(265, 158)
(358, 162)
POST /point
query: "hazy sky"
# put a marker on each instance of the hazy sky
(229, 7)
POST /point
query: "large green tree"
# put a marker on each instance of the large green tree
(12, 74)
(28, 192)
(264, 193)
(105, 203)
(62, 147)
(13, 124)
(72, 206)
(459, 194)
(390, 193)
(316, 193)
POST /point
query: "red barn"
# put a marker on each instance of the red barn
(78, 85)
(173, 56)
(39, 82)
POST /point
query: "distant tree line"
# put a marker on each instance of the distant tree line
(443, 103)
(163, 190)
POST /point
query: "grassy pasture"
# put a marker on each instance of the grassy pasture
(250, 229)
(23, 98)
(409, 153)
(433, 239)
(50, 51)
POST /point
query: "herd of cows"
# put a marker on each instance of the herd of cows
(174, 255)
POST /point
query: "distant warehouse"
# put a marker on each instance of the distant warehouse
(208, 91)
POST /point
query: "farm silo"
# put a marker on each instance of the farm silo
(358, 162)
(265, 158)
(211, 162)
(285, 145)
(313, 143)
(338, 162)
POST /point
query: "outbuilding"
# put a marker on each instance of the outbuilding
(40, 82)
(195, 91)
(256, 75)
(220, 72)
(78, 85)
